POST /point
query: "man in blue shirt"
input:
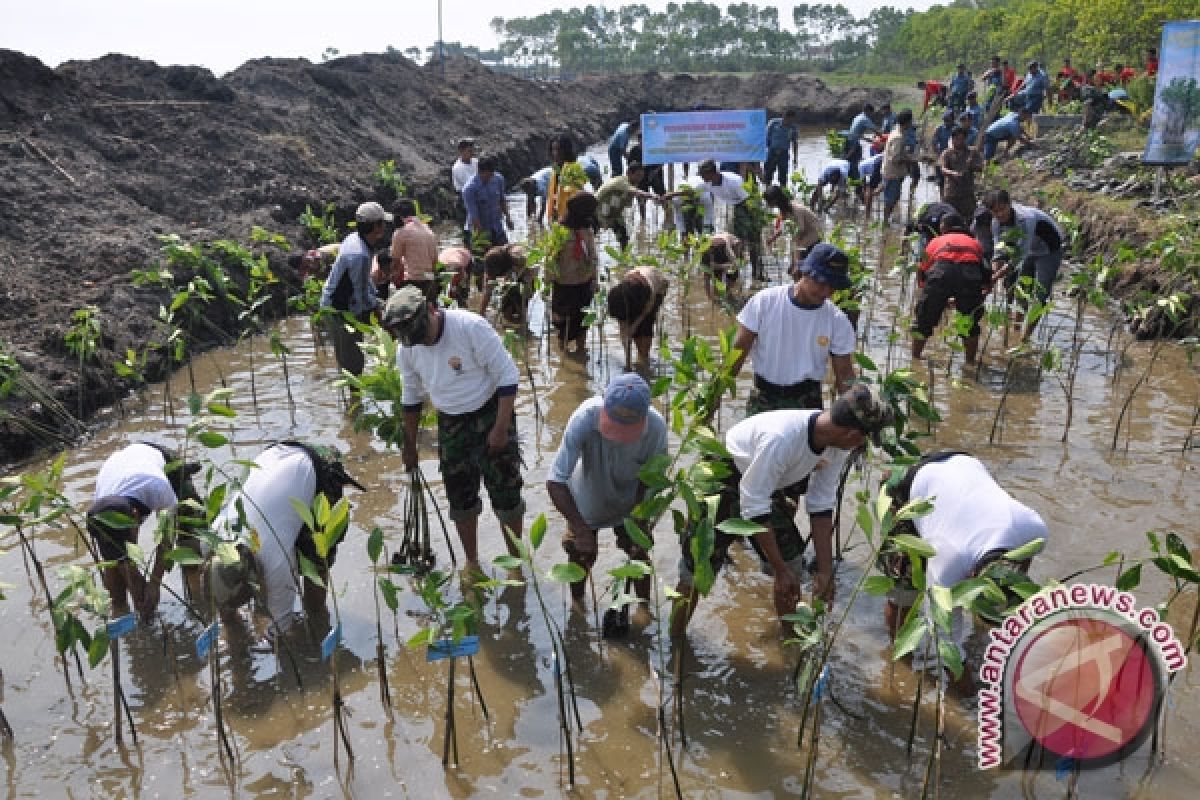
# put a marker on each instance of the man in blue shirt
(1006, 129)
(487, 209)
(960, 84)
(618, 143)
(941, 140)
(1033, 88)
(783, 137)
(860, 126)
(349, 288)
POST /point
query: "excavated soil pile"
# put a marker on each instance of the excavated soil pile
(100, 157)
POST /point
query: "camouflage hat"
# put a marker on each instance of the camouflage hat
(862, 408)
(403, 306)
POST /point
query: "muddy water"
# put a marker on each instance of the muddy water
(741, 717)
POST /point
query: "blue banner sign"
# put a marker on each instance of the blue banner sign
(1175, 126)
(448, 648)
(696, 135)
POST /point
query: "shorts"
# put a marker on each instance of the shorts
(567, 302)
(944, 280)
(347, 344)
(891, 190)
(769, 397)
(787, 536)
(463, 460)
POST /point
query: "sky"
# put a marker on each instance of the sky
(222, 34)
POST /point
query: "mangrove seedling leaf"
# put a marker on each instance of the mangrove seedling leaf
(184, 556)
(507, 562)
(537, 531)
(1176, 547)
(1111, 558)
(566, 573)
(391, 594)
(864, 362)
(951, 658)
(740, 527)
(878, 585)
(912, 545)
(221, 410)
(98, 648)
(1027, 550)
(634, 531)
(309, 570)
(375, 544)
(909, 636)
(1130, 578)
(423, 638)
(305, 513)
(633, 569)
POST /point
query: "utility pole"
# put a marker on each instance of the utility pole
(441, 44)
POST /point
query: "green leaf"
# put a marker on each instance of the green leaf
(309, 570)
(1027, 550)
(909, 636)
(98, 648)
(912, 545)
(184, 556)
(951, 658)
(741, 527)
(865, 520)
(633, 569)
(634, 531)
(1176, 547)
(1112, 558)
(304, 512)
(390, 592)
(221, 410)
(375, 544)
(423, 638)
(566, 573)
(1130, 578)
(537, 531)
(864, 362)
(507, 562)
(878, 585)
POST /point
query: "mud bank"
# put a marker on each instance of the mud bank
(100, 157)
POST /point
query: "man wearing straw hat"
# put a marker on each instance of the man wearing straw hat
(456, 360)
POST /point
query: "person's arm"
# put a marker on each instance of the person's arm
(412, 423)
(332, 281)
(564, 503)
(759, 481)
(498, 435)
(821, 527)
(364, 289)
(946, 170)
(843, 372)
(412, 400)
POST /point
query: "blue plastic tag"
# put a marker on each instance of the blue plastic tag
(330, 642)
(121, 626)
(822, 684)
(207, 639)
(1064, 767)
(448, 648)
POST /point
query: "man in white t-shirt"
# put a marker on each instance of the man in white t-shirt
(465, 167)
(791, 333)
(973, 523)
(769, 452)
(726, 188)
(593, 481)
(133, 483)
(456, 360)
(261, 512)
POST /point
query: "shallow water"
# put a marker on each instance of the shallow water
(741, 717)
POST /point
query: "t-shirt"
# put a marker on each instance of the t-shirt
(603, 474)
(416, 247)
(282, 473)
(461, 173)
(541, 179)
(591, 168)
(808, 226)
(860, 127)
(794, 343)
(896, 156)
(870, 167)
(654, 278)
(461, 370)
(781, 136)
(774, 450)
(485, 202)
(354, 264)
(458, 258)
(834, 172)
(972, 515)
(137, 471)
(1040, 234)
(730, 191)
(1007, 127)
(620, 138)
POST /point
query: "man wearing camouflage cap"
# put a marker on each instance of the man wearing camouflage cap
(456, 360)
(775, 449)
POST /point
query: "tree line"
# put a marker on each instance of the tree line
(703, 37)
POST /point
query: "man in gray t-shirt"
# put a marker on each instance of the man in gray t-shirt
(594, 479)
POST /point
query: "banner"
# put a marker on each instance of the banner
(1175, 126)
(696, 135)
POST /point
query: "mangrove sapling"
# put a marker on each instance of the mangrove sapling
(320, 227)
(82, 339)
(517, 346)
(16, 382)
(566, 572)
(450, 635)
(1172, 307)
(328, 525)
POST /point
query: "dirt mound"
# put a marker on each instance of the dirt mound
(102, 156)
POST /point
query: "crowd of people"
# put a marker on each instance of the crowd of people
(392, 270)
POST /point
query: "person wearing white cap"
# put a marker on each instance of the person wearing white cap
(593, 481)
(349, 289)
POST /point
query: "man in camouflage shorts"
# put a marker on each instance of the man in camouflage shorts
(456, 360)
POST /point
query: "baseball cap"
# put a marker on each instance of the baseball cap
(466, 141)
(626, 403)
(862, 408)
(372, 212)
(828, 265)
(403, 306)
